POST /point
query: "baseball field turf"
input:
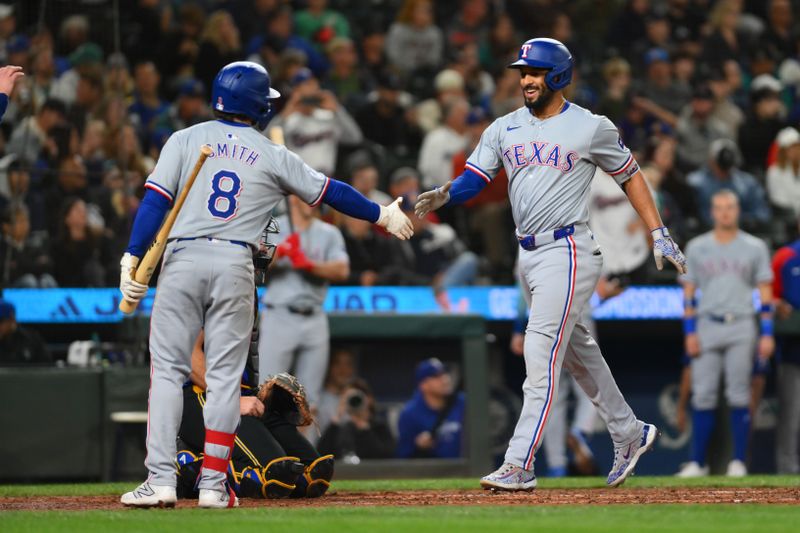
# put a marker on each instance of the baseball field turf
(755, 503)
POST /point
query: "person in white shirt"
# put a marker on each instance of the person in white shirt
(441, 144)
(783, 178)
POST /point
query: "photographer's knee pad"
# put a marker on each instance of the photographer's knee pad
(318, 476)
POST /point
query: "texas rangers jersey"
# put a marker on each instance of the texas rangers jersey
(235, 192)
(727, 273)
(550, 163)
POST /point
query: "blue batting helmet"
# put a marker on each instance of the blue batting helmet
(243, 88)
(549, 54)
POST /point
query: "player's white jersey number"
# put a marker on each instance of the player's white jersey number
(223, 202)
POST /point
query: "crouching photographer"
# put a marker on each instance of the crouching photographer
(357, 431)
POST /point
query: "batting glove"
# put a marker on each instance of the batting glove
(132, 290)
(395, 221)
(432, 200)
(665, 248)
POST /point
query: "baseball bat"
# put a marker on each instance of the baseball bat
(276, 136)
(153, 255)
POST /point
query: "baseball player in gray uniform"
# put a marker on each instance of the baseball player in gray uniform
(207, 271)
(550, 149)
(721, 335)
(294, 329)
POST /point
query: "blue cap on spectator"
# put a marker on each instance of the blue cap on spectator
(429, 368)
(656, 54)
(476, 116)
(18, 43)
(302, 74)
(6, 309)
(192, 87)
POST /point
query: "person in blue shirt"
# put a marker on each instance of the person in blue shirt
(432, 421)
(723, 172)
(8, 77)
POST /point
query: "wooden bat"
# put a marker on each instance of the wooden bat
(276, 136)
(148, 263)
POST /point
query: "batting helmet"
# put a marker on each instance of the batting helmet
(549, 54)
(243, 88)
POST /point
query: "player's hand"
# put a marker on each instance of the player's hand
(8, 77)
(665, 248)
(395, 221)
(424, 441)
(517, 343)
(783, 309)
(132, 290)
(289, 247)
(251, 406)
(432, 200)
(692, 345)
(766, 346)
(300, 261)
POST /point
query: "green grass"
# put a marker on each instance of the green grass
(563, 519)
(97, 489)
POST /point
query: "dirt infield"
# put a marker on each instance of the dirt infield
(765, 495)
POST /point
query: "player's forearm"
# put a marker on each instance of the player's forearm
(349, 201)
(148, 219)
(466, 186)
(331, 270)
(689, 300)
(767, 308)
(642, 201)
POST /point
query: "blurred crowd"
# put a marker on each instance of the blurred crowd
(391, 96)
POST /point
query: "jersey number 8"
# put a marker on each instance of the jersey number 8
(225, 189)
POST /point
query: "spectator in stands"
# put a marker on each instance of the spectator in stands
(628, 26)
(147, 108)
(617, 77)
(373, 51)
(319, 24)
(506, 94)
(315, 124)
(619, 230)
(783, 178)
(24, 261)
(83, 255)
(344, 79)
(30, 135)
(502, 46)
(786, 289)
(118, 80)
(657, 35)
(219, 45)
(18, 345)
(87, 57)
(449, 85)
(725, 42)
(763, 123)
(722, 171)
(179, 47)
(470, 24)
(341, 373)
(431, 423)
(668, 208)
(414, 41)
(725, 109)
(441, 144)
(364, 178)
(358, 430)
(189, 109)
(8, 26)
(37, 84)
(781, 33)
(478, 83)
(384, 118)
(439, 255)
(697, 129)
(660, 155)
(661, 96)
(88, 98)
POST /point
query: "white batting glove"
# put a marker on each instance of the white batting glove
(395, 221)
(665, 248)
(432, 200)
(132, 290)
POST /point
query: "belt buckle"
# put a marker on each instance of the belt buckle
(528, 242)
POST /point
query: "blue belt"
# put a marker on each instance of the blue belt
(531, 242)
(210, 239)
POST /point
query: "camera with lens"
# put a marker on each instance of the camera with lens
(356, 401)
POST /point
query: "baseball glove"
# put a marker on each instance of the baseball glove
(283, 394)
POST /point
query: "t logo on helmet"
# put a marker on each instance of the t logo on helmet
(525, 48)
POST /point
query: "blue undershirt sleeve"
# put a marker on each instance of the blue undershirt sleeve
(3, 104)
(349, 201)
(465, 187)
(148, 219)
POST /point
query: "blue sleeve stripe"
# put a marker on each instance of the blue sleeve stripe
(479, 171)
(349, 201)
(160, 190)
(321, 196)
(148, 219)
(621, 169)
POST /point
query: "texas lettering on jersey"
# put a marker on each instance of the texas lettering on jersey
(542, 154)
